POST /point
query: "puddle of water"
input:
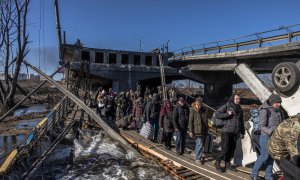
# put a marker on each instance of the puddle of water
(28, 124)
(7, 143)
(31, 109)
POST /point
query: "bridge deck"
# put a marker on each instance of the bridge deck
(185, 162)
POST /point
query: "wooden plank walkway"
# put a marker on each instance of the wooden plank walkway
(184, 166)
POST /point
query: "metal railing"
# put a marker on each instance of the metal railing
(31, 140)
(257, 39)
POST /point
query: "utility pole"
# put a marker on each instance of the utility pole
(140, 41)
(58, 29)
(162, 76)
(140, 45)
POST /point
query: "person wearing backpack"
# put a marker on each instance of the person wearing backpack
(232, 113)
(152, 114)
(269, 118)
(198, 127)
(180, 119)
(165, 122)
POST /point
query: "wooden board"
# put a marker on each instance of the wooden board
(186, 164)
(8, 161)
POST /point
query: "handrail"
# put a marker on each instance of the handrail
(38, 132)
(111, 132)
(258, 40)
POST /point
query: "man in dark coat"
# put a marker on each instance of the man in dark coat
(180, 120)
(198, 127)
(109, 105)
(152, 114)
(232, 113)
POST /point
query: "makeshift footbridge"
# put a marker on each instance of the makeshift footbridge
(182, 167)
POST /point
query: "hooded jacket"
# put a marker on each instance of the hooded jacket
(165, 118)
(235, 121)
(180, 116)
(153, 109)
(198, 123)
(268, 123)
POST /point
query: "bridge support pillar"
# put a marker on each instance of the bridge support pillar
(119, 58)
(116, 85)
(217, 94)
(105, 58)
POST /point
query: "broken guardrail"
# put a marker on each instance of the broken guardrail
(111, 133)
(40, 130)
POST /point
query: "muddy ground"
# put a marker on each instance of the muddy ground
(47, 96)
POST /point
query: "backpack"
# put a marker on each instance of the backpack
(217, 123)
(255, 119)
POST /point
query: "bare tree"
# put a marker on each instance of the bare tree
(13, 46)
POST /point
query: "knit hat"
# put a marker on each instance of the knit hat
(274, 98)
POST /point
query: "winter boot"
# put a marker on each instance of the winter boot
(230, 167)
(218, 167)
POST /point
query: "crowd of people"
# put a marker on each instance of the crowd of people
(175, 116)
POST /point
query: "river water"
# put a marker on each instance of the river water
(100, 157)
(31, 109)
(95, 156)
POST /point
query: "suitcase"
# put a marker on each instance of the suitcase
(160, 136)
(147, 131)
(208, 143)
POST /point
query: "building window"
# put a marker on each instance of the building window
(137, 60)
(157, 61)
(112, 58)
(125, 59)
(148, 60)
(85, 55)
(99, 57)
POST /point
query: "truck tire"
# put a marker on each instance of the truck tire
(285, 76)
